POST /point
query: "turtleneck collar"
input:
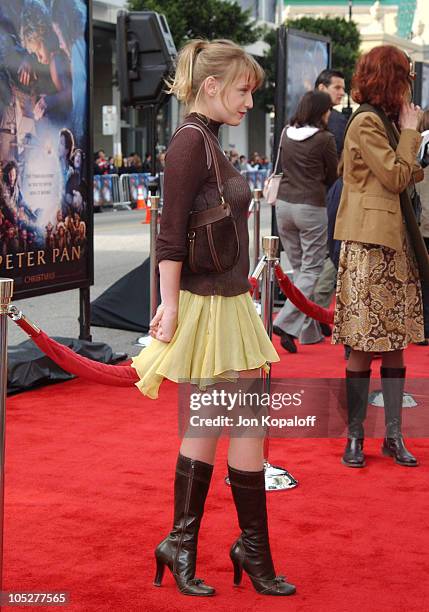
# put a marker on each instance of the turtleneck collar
(210, 123)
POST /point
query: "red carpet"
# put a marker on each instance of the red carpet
(89, 490)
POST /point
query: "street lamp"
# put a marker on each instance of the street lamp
(350, 9)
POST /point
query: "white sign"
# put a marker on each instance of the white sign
(110, 120)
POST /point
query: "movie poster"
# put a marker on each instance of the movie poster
(306, 58)
(425, 87)
(45, 203)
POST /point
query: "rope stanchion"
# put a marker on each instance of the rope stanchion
(276, 477)
(68, 360)
(154, 208)
(153, 276)
(6, 290)
(257, 194)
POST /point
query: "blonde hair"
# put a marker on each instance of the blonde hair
(222, 59)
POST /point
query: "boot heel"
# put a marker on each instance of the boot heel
(160, 567)
(386, 452)
(238, 572)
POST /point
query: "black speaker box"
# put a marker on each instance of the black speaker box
(145, 56)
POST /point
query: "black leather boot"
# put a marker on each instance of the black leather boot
(179, 549)
(392, 384)
(251, 551)
(357, 387)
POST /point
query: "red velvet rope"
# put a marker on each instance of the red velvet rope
(253, 284)
(299, 300)
(125, 375)
(68, 360)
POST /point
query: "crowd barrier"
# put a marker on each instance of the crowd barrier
(114, 190)
(256, 178)
(123, 190)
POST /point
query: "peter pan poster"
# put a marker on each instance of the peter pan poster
(45, 204)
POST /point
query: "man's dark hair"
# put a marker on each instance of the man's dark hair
(326, 76)
(311, 108)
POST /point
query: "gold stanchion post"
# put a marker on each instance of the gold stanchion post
(6, 290)
(276, 478)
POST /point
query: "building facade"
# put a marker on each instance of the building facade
(131, 134)
(401, 22)
(406, 19)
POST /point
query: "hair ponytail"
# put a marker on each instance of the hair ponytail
(222, 59)
(183, 83)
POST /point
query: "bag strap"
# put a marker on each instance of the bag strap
(388, 126)
(279, 151)
(210, 151)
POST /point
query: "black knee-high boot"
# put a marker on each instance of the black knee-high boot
(179, 549)
(392, 384)
(357, 387)
(251, 551)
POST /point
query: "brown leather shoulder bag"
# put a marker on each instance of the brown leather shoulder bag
(213, 244)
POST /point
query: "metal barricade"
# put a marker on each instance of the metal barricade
(255, 178)
(124, 190)
(118, 202)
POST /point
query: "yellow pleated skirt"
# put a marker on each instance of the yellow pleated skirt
(216, 337)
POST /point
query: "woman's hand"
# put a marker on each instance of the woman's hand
(40, 108)
(26, 73)
(164, 324)
(409, 116)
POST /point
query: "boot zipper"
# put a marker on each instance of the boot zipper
(187, 502)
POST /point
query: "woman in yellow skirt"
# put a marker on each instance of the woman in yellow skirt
(206, 328)
(378, 302)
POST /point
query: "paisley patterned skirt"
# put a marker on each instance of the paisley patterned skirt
(378, 300)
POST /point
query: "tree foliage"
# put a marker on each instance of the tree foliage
(208, 19)
(345, 48)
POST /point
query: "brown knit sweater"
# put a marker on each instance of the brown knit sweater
(190, 185)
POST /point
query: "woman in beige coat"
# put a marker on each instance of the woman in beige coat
(379, 303)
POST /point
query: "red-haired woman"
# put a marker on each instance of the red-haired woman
(379, 304)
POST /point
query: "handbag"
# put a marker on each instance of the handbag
(272, 183)
(212, 235)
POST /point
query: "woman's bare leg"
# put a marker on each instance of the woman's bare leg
(393, 359)
(359, 361)
(202, 449)
(243, 453)
(247, 453)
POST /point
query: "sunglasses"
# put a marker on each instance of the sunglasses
(411, 68)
